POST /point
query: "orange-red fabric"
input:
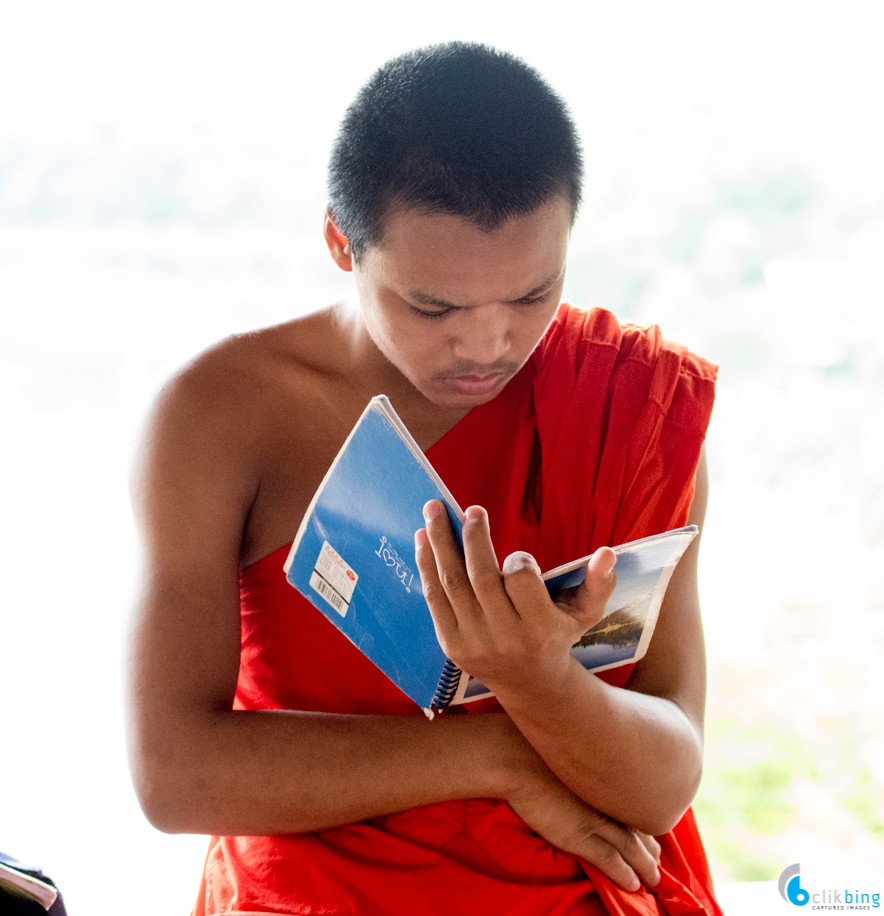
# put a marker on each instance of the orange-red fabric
(595, 442)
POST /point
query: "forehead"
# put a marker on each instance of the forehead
(452, 258)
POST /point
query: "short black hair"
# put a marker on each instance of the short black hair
(457, 128)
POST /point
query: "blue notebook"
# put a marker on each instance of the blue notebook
(353, 559)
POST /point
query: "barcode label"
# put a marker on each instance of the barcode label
(321, 587)
(336, 571)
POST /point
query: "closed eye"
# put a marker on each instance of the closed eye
(437, 313)
(433, 309)
(531, 300)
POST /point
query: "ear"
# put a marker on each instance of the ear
(338, 244)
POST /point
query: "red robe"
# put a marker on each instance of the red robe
(596, 441)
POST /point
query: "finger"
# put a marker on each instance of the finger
(651, 844)
(444, 618)
(608, 860)
(600, 576)
(521, 579)
(587, 601)
(639, 856)
(450, 566)
(481, 565)
(635, 850)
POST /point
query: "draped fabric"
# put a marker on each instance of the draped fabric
(596, 441)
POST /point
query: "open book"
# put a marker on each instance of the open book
(22, 883)
(353, 558)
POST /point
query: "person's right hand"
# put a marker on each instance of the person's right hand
(627, 856)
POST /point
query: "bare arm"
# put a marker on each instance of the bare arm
(197, 764)
(200, 766)
(635, 754)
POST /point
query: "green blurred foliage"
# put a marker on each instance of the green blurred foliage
(763, 783)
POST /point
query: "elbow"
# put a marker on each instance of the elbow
(662, 821)
(673, 800)
(162, 816)
(166, 784)
(161, 798)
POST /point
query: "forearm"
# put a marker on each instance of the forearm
(237, 772)
(259, 773)
(634, 756)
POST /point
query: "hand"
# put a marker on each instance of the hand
(503, 627)
(626, 856)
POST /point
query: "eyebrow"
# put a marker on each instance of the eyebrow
(426, 299)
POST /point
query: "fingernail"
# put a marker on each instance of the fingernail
(634, 885)
(474, 512)
(420, 538)
(432, 509)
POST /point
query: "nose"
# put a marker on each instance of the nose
(482, 335)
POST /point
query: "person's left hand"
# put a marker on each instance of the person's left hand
(502, 626)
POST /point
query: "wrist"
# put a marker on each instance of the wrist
(552, 688)
(513, 763)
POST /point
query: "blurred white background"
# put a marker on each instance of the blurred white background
(162, 185)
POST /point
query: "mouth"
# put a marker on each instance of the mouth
(477, 385)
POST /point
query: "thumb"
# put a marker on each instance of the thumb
(587, 601)
(600, 576)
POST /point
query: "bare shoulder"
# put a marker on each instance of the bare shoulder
(242, 431)
(240, 389)
(245, 370)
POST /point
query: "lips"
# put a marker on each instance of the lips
(477, 385)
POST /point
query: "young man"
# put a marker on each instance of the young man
(453, 186)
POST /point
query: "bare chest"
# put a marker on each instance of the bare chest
(296, 453)
(298, 449)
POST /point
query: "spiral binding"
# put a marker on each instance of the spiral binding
(447, 686)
